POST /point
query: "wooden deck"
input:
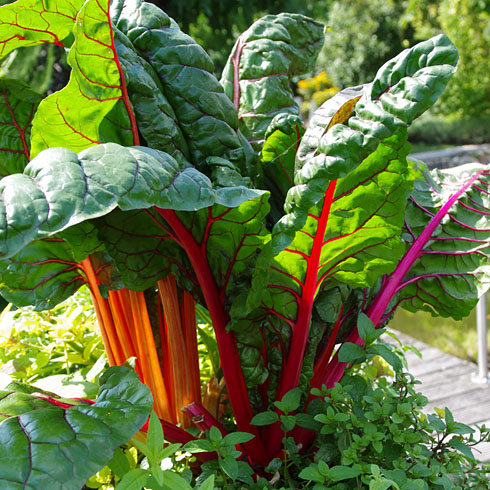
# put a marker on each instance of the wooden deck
(447, 382)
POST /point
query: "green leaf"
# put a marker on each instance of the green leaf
(207, 484)
(40, 22)
(155, 116)
(205, 114)
(237, 438)
(41, 446)
(263, 61)
(265, 418)
(144, 247)
(42, 274)
(290, 401)
(419, 75)
(154, 438)
(311, 473)
(452, 270)
(339, 473)
(388, 355)
(230, 466)
(60, 189)
(335, 110)
(199, 446)
(351, 352)
(366, 329)
(134, 480)
(460, 446)
(18, 104)
(277, 159)
(119, 463)
(215, 435)
(172, 481)
(288, 422)
(84, 112)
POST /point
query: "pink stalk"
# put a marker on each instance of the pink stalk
(379, 305)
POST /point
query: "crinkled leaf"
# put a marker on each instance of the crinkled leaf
(31, 22)
(59, 189)
(335, 110)
(351, 237)
(60, 448)
(93, 107)
(205, 114)
(277, 159)
(258, 72)
(156, 119)
(418, 76)
(452, 270)
(18, 104)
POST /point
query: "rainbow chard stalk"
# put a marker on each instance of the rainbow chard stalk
(160, 188)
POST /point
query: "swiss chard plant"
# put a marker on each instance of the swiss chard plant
(166, 190)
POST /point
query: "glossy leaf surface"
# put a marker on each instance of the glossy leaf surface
(93, 108)
(205, 115)
(59, 189)
(263, 61)
(48, 445)
(418, 77)
(278, 158)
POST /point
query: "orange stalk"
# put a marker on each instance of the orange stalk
(113, 347)
(188, 315)
(123, 331)
(167, 290)
(148, 357)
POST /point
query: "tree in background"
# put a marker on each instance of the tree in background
(363, 35)
(467, 23)
(215, 25)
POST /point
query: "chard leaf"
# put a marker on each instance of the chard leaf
(205, 114)
(59, 189)
(417, 77)
(263, 61)
(93, 108)
(335, 110)
(277, 158)
(18, 104)
(42, 274)
(59, 446)
(452, 269)
(351, 236)
(31, 22)
(145, 248)
(156, 119)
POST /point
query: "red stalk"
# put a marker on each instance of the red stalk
(290, 375)
(230, 360)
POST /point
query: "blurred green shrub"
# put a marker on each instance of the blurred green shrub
(437, 130)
